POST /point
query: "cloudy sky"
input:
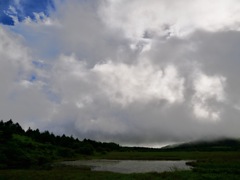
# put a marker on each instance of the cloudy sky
(134, 72)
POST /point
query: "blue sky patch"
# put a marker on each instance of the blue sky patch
(23, 9)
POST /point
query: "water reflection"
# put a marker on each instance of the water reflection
(130, 166)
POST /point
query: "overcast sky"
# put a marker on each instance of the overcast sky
(139, 72)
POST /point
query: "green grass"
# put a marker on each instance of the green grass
(74, 173)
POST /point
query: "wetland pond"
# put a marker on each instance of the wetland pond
(130, 166)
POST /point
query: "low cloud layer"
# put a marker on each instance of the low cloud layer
(133, 72)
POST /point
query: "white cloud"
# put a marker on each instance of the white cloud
(208, 88)
(14, 62)
(40, 19)
(160, 17)
(71, 79)
(20, 99)
(140, 19)
(141, 82)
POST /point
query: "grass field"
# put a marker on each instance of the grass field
(71, 174)
(207, 165)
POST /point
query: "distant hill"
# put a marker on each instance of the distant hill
(225, 144)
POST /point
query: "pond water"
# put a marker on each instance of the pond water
(130, 166)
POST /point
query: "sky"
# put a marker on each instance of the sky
(142, 73)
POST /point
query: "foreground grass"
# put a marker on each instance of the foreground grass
(207, 165)
(74, 173)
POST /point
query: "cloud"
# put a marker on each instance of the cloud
(14, 58)
(133, 72)
(136, 18)
(20, 99)
(144, 20)
(140, 82)
(206, 89)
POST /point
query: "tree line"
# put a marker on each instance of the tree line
(20, 148)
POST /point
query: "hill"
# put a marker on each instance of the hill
(225, 144)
